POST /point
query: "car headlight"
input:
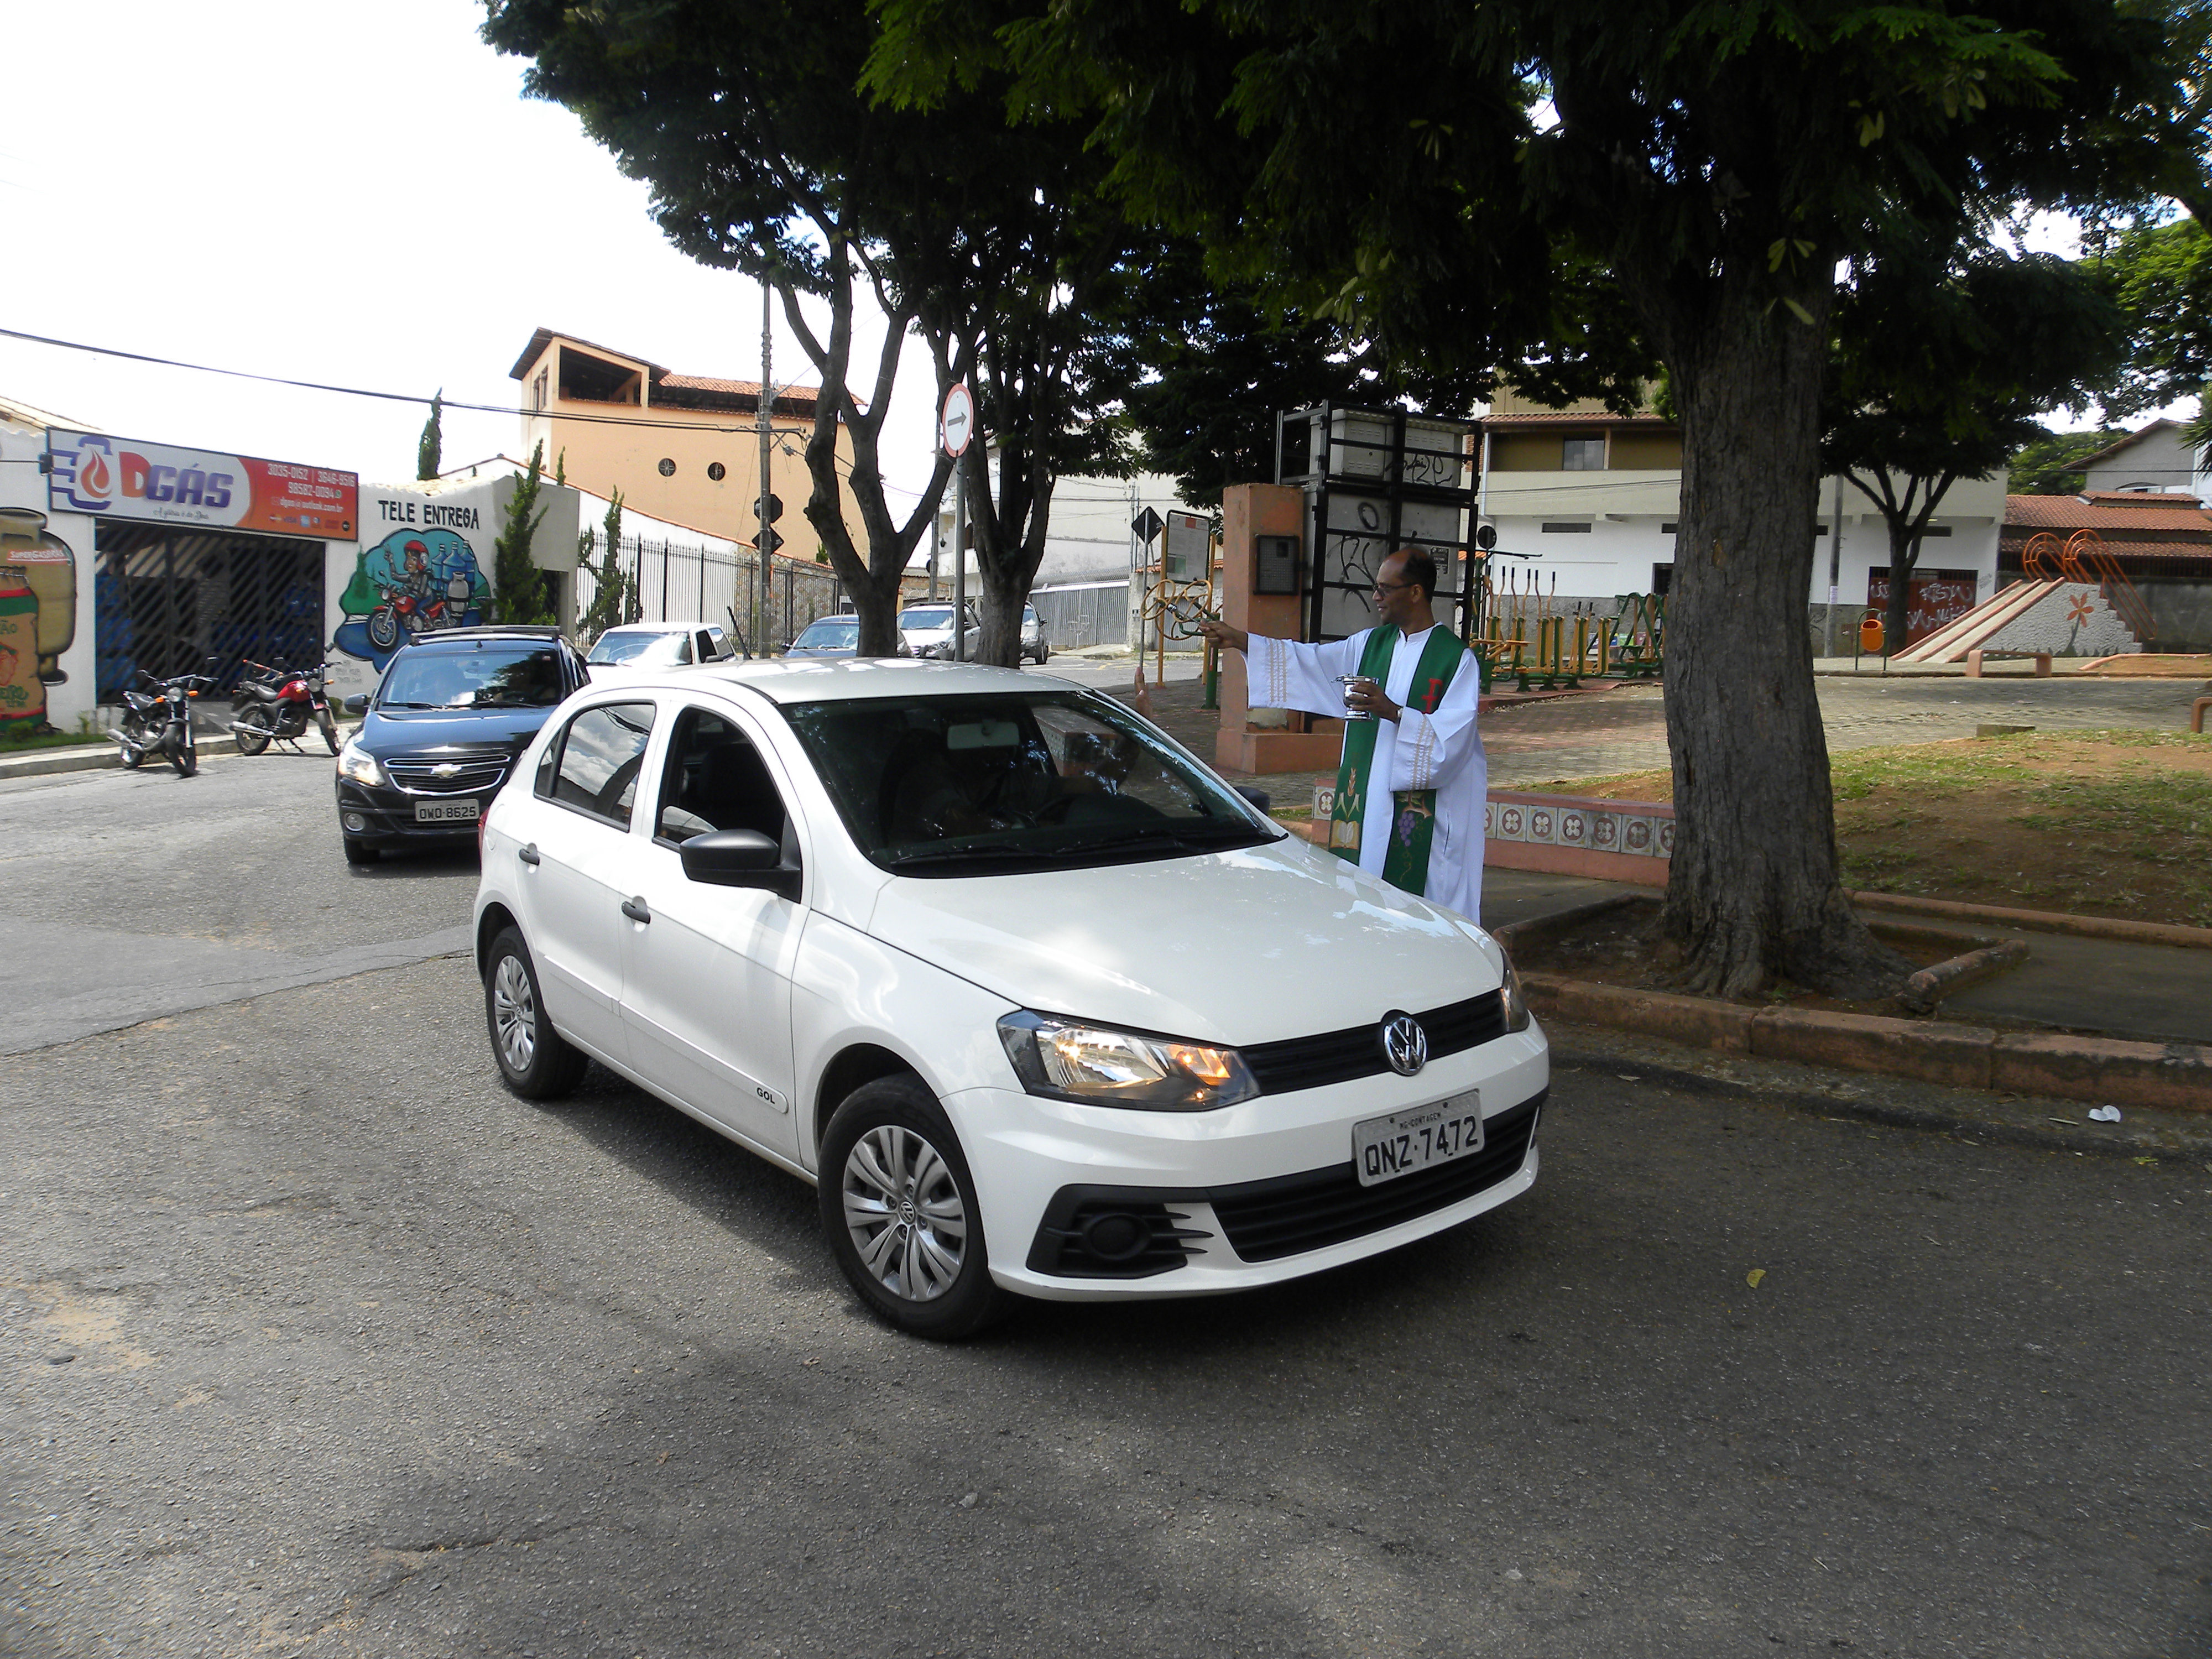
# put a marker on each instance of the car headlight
(1516, 1004)
(1064, 1060)
(358, 764)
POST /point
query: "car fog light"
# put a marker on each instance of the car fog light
(355, 822)
(1115, 1237)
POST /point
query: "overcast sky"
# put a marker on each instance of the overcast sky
(356, 195)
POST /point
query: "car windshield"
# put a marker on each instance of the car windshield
(492, 674)
(986, 784)
(841, 635)
(643, 650)
(926, 616)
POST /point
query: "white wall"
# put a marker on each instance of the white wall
(1615, 555)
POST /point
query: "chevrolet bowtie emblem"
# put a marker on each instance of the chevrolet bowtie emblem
(446, 769)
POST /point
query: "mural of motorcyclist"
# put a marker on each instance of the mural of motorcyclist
(412, 582)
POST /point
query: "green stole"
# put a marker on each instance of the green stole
(1412, 824)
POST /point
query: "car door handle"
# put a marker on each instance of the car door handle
(527, 854)
(635, 910)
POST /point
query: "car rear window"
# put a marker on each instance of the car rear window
(601, 753)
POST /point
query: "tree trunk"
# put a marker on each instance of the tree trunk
(1753, 894)
(1904, 555)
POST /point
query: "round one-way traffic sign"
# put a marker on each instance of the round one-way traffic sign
(959, 419)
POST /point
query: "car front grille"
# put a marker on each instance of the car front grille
(1266, 1220)
(418, 773)
(1313, 1062)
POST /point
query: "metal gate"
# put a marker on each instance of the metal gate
(165, 600)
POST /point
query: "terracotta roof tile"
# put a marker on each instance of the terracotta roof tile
(2033, 513)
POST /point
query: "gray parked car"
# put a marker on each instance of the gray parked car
(1034, 647)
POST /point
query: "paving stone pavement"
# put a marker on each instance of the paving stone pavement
(1598, 733)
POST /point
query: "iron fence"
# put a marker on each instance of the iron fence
(675, 582)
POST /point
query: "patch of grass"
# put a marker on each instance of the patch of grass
(2109, 822)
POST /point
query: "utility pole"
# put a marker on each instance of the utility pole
(1835, 559)
(766, 531)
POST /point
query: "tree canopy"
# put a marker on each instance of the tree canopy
(1518, 184)
(764, 155)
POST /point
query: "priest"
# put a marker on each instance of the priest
(1411, 784)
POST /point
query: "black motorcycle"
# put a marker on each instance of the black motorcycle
(275, 705)
(160, 722)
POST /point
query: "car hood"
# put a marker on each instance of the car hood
(1252, 945)
(390, 732)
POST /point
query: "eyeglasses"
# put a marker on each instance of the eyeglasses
(1394, 587)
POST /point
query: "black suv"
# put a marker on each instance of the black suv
(442, 730)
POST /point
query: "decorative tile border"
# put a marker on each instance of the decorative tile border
(1565, 835)
(1637, 829)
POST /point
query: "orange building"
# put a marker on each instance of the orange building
(682, 447)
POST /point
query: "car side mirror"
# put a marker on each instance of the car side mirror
(739, 858)
(357, 705)
(1259, 797)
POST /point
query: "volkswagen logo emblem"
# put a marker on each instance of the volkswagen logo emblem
(1405, 1044)
(445, 770)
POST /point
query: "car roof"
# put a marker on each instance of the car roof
(823, 679)
(656, 628)
(491, 632)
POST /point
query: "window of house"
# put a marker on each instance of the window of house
(1583, 454)
(1566, 528)
(537, 390)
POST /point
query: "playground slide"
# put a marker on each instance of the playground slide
(1951, 642)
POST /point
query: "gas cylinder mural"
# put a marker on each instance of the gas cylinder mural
(413, 582)
(37, 617)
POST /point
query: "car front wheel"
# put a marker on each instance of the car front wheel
(533, 1060)
(899, 1206)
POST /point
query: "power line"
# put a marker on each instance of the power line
(387, 397)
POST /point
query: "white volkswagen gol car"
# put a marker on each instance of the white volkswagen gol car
(1039, 1003)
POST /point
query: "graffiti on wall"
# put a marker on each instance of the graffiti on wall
(413, 582)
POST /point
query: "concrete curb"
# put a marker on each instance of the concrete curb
(45, 762)
(2174, 1076)
(1976, 1115)
(2046, 921)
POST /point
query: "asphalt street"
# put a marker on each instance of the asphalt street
(133, 895)
(318, 1342)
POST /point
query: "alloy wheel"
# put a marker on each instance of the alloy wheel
(903, 1209)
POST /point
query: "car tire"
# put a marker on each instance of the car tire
(358, 853)
(895, 1189)
(532, 1059)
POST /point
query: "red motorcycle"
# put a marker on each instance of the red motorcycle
(276, 704)
(403, 612)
